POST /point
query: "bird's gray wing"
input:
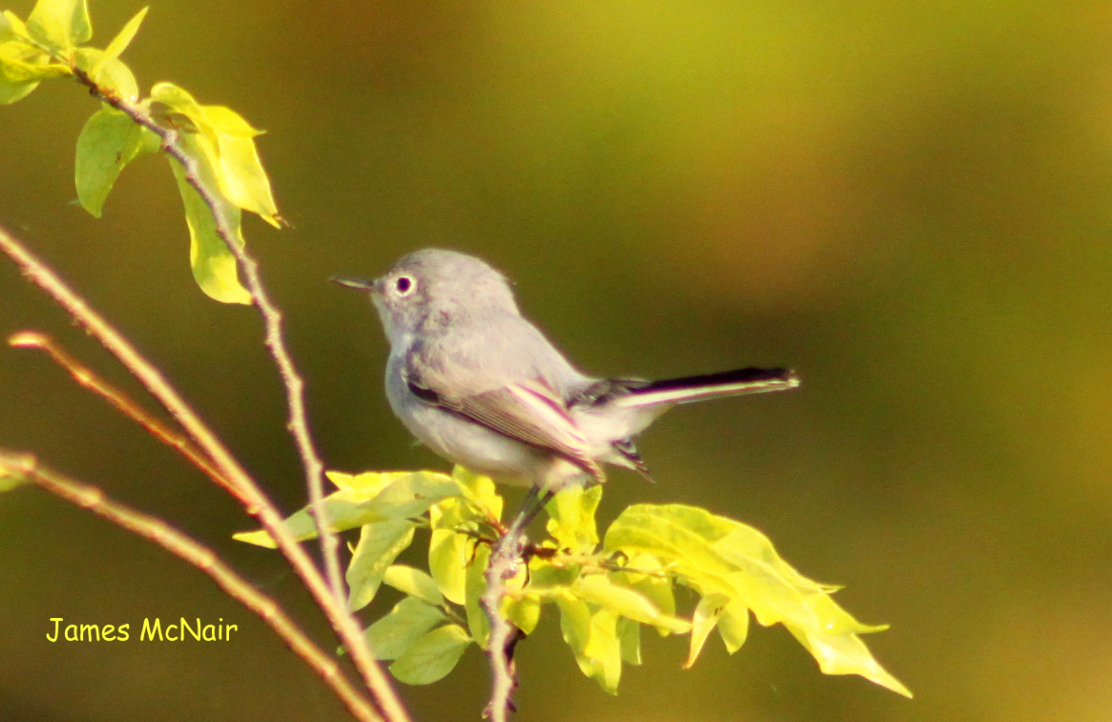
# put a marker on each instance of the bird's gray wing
(528, 411)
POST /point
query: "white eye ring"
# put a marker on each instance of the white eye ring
(405, 285)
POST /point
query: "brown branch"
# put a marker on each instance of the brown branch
(506, 557)
(86, 377)
(200, 556)
(257, 504)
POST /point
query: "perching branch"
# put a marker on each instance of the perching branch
(505, 560)
(92, 498)
(256, 502)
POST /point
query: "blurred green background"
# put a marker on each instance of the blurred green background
(909, 203)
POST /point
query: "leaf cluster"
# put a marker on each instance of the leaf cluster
(51, 44)
(603, 592)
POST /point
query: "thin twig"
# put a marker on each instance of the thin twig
(257, 503)
(272, 321)
(200, 556)
(124, 403)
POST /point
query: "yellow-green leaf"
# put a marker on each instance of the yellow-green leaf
(449, 554)
(433, 656)
(174, 107)
(843, 653)
(348, 508)
(593, 637)
(410, 495)
(647, 576)
(597, 589)
(60, 25)
(477, 621)
(413, 582)
(718, 555)
(110, 75)
(575, 622)
(23, 63)
(109, 141)
(12, 28)
(228, 143)
(703, 621)
(629, 634)
(410, 619)
(379, 545)
(733, 625)
(122, 39)
(242, 178)
(214, 266)
(11, 91)
(10, 479)
(523, 609)
(367, 484)
(480, 491)
(572, 518)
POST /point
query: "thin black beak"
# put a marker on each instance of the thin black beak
(358, 284)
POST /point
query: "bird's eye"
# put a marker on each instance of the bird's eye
(404, 285)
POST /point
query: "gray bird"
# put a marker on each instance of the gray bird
(479, 384)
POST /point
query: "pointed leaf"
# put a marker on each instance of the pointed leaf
(357, 503)
(109, 141)
(379, 545)
(413, 582)
(433, 656)
(718, 555)
(214, 266)
(703, 621)
(575, 622)
(598, 590)
(122, 39)
(11, 27)
(477, 621)
(629, 633)
(593, 637)
(733, 625)
(241, 174)
(368, 484)
(846, 654)
(410, 619)
(60, 25)
(449, 554)
(410, 495)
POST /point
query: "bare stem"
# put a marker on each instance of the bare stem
(124, 403)
(256, 502)
(200, 556)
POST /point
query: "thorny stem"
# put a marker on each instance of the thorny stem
(200, 556)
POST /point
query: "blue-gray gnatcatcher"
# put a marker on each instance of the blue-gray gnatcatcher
(482, 387)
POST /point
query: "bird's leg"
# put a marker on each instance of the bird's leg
(505, 559)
